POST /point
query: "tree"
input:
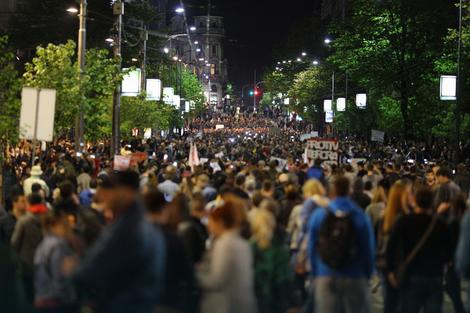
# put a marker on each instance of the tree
(389, 47)
(55, 67)
(136, 112)
(10, 87)
(192, 91)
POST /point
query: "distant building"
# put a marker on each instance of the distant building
(203, 53)
(7, 9)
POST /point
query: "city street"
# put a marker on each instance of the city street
(231, 156)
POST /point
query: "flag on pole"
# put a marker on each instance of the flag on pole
(193, 156)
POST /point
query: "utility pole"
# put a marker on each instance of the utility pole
(145, 37)
(458, 102)
(254, 92)
(118, 11)
(81, 63)
(208, 50)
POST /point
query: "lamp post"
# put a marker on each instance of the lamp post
(458, 83)
(118, 11)
(82, 15)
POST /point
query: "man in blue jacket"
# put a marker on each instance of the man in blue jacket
(343, 289)
(316, 171)
(125, 267)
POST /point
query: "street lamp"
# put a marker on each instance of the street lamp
(134, 60)
(198, 50)
(179, 10)
(166, 50)
(175, 58)
(299, 60)
(192, 28)
(196, 42)
(81, 62)
(315, 62)
(327, 40)
(304, 54)
(109, 40)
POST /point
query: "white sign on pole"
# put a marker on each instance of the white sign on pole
(448, 87)
(341, 104)
(154, 89)
(176, 101)
(37, 113)
(286, 101)
(327, 105)
(186, 106)
(329, 115)
(131, 83)
(361, 100)
(168, 93)
(377, 135)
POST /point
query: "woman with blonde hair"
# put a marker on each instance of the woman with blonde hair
(271, 260)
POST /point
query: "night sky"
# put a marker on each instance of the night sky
(255, 29)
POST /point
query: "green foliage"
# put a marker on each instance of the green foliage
(10, 87)
(55, 67)
(192, 91)
(136, 112)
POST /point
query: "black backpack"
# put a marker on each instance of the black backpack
(336, 239)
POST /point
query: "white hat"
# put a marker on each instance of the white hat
(36, 170)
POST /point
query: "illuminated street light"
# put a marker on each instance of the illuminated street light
(72, 10)
(284, 62)
(134, 60)
(196, 42)
(198, 50)
(327, 40)
(179, 10)
(110, 40)
(304, 54)
(192, 28)
(175, 58)
(315, 62)
(166, 50)
(201, 59)
(299, 60)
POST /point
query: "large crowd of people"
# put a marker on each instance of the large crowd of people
(248, 225)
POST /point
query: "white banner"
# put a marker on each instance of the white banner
(377, 135)
(307, 136)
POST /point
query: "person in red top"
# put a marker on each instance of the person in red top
(26, 238)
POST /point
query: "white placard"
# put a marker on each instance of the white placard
(361, 100)
(176, 101)
(327, 105)
(154, 89)
(168, 93)
(131, 83)
(377, 135)
(307, 136)
(448, 88)
(147, 133)
(37, 106)
(323, 149)
(186, 106)
(219, 126)
(341, 104)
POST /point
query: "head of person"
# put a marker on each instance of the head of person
(313, 187)
(267, 189)
(19, 204)
(197, 205)
(222, 219)
(443, 175)
(424, 198)
(396, 204)
(340, 187)
(202, 181)
(262, 227)
(56, 222)
(124, 190)
(154, 201)
(430, 178)
(36, 204)
(170, 173)
(317, 162)
(67, 190)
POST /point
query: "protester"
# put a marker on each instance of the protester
(422, 239)
(227, 281)
(109, 271)
(8, 222)
(35, 178)
(341, 264)
(26, 238)
(53, 292)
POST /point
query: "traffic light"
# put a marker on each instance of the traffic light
(256, 92)
(251, 93)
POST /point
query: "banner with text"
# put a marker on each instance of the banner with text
(323, 149)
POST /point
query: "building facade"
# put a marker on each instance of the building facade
(203, 52)
(7, 9)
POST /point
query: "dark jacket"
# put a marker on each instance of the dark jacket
(126, 265)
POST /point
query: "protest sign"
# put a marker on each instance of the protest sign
(121, 163)
(323, 149)
(377, 135)
(281, 163)
(307, 136)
